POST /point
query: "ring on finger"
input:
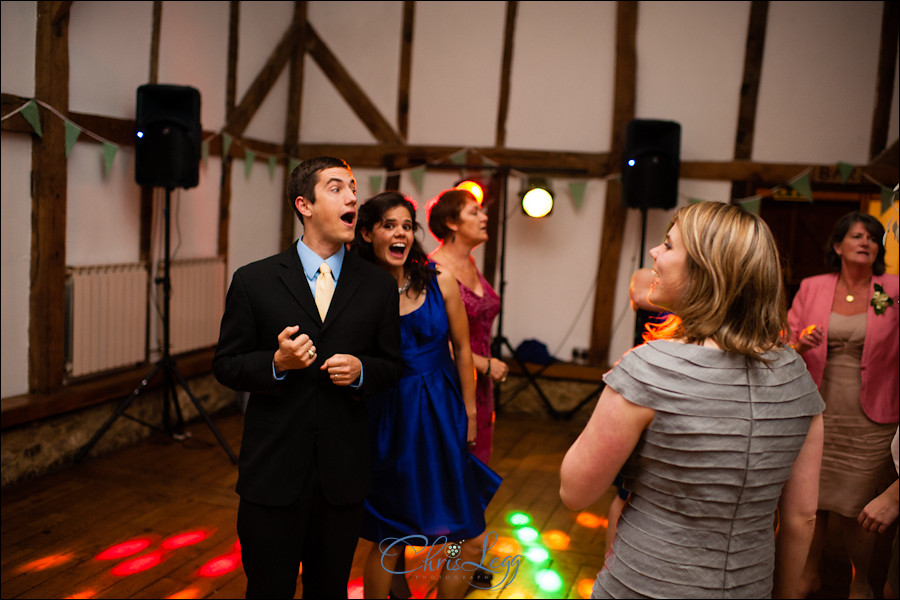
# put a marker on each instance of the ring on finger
(311, 352)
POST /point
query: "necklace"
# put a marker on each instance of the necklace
(850, 297)
(402, 289)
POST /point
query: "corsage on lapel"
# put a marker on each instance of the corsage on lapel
(880, 300)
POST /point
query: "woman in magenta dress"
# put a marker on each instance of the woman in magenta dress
(457, 220)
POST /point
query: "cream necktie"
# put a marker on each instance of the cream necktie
(324, 290)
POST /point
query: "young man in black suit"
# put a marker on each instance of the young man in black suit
(304, 461)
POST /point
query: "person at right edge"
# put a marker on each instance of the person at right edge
(720, 425)
(845, 326)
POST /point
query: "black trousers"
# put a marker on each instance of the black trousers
(276, 539)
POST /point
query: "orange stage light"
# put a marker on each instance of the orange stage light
(506, 546)
(472, 187)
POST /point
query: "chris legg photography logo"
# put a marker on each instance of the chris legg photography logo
(442, 555)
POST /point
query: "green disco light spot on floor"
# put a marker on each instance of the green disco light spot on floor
(527, 535)
(537, 555)
(549, 580)
(518, 519)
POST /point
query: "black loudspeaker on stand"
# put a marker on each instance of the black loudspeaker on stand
(168, 122)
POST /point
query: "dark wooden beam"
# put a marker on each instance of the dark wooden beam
(292, 123)
(234, 27)
(884, 89)
(753, 55)
(509, 35)
(349, 90)
(155, 36)
(409, 16)
(47, 314)
(613, 212)
(118, 131)
(262, 84)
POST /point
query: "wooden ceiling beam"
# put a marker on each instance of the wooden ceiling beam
(884, 87)
(349, 90)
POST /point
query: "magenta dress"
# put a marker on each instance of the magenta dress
(482, 310)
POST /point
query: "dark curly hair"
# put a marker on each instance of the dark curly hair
(872, 225)
(370, 214)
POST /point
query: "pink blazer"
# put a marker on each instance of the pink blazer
(880, 395)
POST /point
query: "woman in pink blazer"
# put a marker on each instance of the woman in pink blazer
(845, 325)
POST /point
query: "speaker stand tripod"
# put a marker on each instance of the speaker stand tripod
(171, 376)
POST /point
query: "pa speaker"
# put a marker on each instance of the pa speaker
(651, 162)
(167, 149)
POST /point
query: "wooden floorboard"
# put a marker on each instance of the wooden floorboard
(54, 528)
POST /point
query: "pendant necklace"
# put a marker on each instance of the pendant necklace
(850, 295)
(402, 289)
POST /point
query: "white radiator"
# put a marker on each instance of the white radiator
(107, 317)
(196, 303)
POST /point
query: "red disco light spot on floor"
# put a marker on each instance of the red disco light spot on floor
(220, 565)
(184, 539)
(139, 564)
(129, 548)
(84, 594)
(191, 592)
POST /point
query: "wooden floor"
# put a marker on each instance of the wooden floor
(157, 520)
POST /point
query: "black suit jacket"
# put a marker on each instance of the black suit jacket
(289, 424)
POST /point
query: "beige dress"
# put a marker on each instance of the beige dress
(857, 451)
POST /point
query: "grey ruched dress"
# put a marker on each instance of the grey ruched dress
(707, 474)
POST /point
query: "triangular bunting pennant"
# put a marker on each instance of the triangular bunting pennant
(30, 112)
(887, 198)
(577, 188)
(249, 157)
(226, 144)
(109, 155)
(802, 187)
(418, 176)
(458, 158)
(694, 200)
(292, 164)
(204, 153)
(72, 133)
(845, 170)
(375, 184)
(752, 205)
(272, 161)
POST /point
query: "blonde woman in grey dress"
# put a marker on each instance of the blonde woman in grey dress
(720, 427)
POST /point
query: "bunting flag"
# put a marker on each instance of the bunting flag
(752, 205)
(226, 144)
(375, 184)
(694, 200)
(72, 133)
(272, 160)
(30, 112)
(802, 187)
(577, 188)
(109, 155)
(459, 158)
(292, 164)
(845, 170)
(418, 176)
(204, 153)
(249, 158)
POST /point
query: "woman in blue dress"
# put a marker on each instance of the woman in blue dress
(427, 488)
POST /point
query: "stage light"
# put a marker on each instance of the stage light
(472, 187)
(537, 201)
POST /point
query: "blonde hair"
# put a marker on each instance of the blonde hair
(735, 294)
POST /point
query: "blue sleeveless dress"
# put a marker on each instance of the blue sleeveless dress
(425, 482)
